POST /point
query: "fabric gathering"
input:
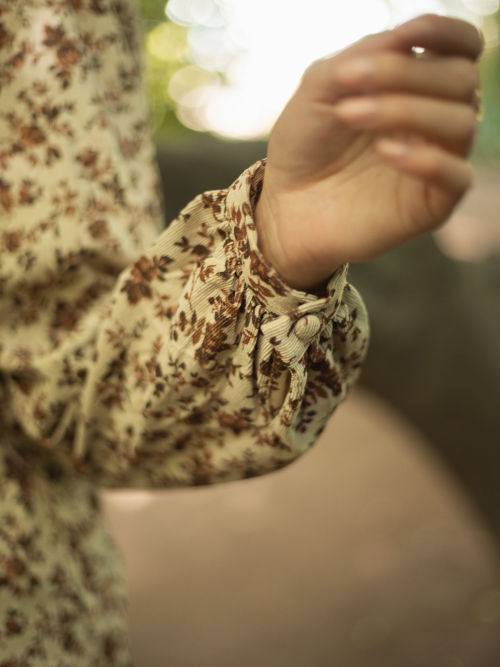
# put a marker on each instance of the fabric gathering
(132, 354)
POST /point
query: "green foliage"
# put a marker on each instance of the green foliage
(487, 148)
(159, 69)
(153, 12)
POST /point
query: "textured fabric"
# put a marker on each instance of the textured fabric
(129, 356)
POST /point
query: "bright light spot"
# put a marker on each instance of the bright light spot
(227, 113)
(192, 108)
(167, 42)
(263, 48)
(482, 7)
(404, 10)
(187, 80)
(195, 12)
(212, 49)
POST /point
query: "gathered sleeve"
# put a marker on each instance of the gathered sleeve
(141, 357)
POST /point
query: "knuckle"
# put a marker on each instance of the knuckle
(435, 163)
(393, 66)
(372, 38)
(428, 22)
(311, 71)
(314, 75)
(404, 109)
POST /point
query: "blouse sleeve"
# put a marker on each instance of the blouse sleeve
(142, 358)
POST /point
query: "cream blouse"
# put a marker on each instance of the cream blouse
(130, 355)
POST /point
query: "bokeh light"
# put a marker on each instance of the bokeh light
(167, 42)
(482, 7)
(239, 62)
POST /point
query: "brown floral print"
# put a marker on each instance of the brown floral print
(129, 356)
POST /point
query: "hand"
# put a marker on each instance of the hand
(371, 150)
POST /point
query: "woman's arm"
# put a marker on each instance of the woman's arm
(142, 358)
(372, 148)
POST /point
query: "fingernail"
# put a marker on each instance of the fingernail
(358, 108)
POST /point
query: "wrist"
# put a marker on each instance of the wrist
(297, 277)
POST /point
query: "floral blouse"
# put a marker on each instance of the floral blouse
(130, 355)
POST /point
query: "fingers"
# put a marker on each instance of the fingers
(454, 46)
(454, 78)
(452, 125)
(430, 163)
(441, 34)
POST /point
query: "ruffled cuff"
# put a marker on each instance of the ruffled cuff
(268, 287)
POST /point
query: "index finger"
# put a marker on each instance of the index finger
(441, 34)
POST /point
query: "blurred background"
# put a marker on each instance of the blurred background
(381, 547)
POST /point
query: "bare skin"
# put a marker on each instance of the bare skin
(371, 150)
